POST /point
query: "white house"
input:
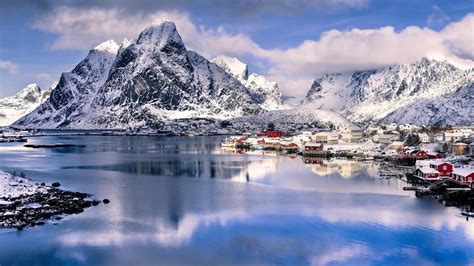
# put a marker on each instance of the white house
(351, 134)
(409, 127)
(424, 138)
(453, 136)
(325, 137)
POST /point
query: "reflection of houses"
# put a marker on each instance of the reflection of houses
(345, 168)
(351, 134)
(325, 137)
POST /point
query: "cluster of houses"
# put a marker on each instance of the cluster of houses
(438, 169)
(374, 141)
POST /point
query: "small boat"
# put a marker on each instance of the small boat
(468, 214)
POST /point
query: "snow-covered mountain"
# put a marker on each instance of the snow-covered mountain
(267, 93)
(14, 107)
(142, 82)
(425, 92)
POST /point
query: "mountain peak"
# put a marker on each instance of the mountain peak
(30, 88)
(30, 93)
(162, 33)
(109, 46)
(233, 66)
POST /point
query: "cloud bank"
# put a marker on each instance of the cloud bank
(293, 68)
(8, 66)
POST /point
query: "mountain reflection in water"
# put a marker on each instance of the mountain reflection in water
(184, 201)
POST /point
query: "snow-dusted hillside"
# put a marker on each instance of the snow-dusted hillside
(14, 107)
(298, 115)
(425, 92)
(141, 83)
(265, 92)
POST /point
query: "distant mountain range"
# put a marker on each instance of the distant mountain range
(14, 107)
(428, 92)
(155, 78)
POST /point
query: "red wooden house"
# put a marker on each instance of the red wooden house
(271, 134)
(421, 154)
(444, 169)
(313, 147)
(463, 174)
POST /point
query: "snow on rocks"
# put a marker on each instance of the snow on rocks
(15, 186)
(426, 92)
(116, 87)
(25, 203)
(266, 93)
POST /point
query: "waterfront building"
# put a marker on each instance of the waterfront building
(464, 174)
(444, 168)
(351, 134)
(325, 137)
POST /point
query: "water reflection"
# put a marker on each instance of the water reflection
(184, 201)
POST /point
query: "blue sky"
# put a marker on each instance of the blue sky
(284, 40)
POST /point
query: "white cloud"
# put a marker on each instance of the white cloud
(83, 29)
(362, 49)
(293, 68)
(8, 66)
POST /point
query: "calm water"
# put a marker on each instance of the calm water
(182, 200)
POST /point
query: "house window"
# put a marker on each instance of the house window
(445, 167)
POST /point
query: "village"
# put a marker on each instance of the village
(436, 161)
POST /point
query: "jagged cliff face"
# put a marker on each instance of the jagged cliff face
(14, 107)
(266, 93)
(425, 92)
(141, 83)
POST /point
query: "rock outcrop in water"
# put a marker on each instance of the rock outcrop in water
(24, 203)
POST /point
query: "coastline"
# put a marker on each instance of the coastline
(24, 203)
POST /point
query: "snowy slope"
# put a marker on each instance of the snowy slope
(425, 92)
(142, 82)
(298, 115)
(14, 107)
(265, 92)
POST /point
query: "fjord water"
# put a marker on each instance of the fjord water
(182, 200)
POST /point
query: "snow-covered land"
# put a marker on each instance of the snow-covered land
(14, 107)
(15, 186)
(298, 115)
(141, 83)
(426, 92)
(267, 93)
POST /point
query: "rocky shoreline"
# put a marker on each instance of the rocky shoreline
(24, 203)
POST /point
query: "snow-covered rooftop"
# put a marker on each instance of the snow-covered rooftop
(464, 171)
